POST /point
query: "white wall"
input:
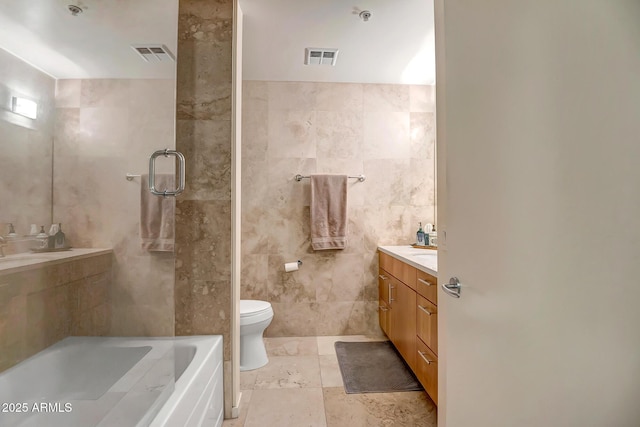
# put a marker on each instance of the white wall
(540, 110)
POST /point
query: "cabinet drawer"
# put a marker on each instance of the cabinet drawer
(427, 323)
(399, 269)
(427, 369)
(427, 286)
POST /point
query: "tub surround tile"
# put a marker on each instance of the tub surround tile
(378, 409)
(43, 305)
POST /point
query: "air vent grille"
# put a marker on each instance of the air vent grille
(154, 52)
(320, 56)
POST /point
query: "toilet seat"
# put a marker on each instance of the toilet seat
(254, 311)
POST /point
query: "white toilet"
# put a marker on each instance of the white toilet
(255, 316)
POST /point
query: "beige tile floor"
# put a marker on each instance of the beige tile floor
(302, 386)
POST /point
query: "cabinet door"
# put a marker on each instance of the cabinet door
(402, 325)
(427, 323)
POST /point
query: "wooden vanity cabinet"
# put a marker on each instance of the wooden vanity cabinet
(408, 314)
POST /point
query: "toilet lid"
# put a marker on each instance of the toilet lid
(250, 306)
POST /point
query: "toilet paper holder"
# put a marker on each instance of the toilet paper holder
(292, 266)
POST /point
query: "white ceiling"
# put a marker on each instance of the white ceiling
(94, 44)
(396, 45)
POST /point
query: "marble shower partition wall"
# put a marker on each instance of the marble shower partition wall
(203, 211)
(105, 128)
(386, 132)
(25, 166)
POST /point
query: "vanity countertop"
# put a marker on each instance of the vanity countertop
(423, 259)
(27, 261)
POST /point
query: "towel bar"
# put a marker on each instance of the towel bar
(299, 177)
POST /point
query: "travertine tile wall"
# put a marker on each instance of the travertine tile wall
(203, 211)
(42, 306)
(105, 128)
(25, 165)
(386, 132)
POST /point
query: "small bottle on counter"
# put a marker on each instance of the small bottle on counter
(60, 239)
(420, 236)
(433, 237)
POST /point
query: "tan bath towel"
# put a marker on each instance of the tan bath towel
(157, 215)
(328, 212)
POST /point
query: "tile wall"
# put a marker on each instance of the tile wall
(41, 306)
(385, 132)
(105, 128)
(25, 166)
(203, 211)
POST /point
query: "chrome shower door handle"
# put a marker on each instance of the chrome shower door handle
(152, 172)
(452, 288)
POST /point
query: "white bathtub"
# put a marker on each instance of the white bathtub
(120, 382)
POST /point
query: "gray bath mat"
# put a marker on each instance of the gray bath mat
(374, 367)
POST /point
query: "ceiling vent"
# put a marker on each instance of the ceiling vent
(320, 56)
(154, 52)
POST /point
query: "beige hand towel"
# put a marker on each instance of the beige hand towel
(157, 215)
(328, 212)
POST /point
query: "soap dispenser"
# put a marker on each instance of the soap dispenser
(420, 235)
